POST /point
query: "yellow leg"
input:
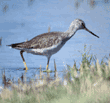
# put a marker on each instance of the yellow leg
(47, 67)
(25, 65)
(21, 52)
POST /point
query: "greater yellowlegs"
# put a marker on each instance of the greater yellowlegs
(49, 43)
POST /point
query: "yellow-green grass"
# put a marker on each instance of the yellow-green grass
(92, 85)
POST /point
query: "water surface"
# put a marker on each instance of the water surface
(22, 22)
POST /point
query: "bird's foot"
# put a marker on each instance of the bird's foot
(26, 68)
(49, 71)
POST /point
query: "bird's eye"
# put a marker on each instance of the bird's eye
(83, 24)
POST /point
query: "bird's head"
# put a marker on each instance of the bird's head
(79, 24)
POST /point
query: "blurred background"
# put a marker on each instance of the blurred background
(21, 20)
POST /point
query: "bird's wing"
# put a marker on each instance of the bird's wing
(41, 41)
(46, 40)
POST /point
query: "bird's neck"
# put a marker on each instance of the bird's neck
(71, 31)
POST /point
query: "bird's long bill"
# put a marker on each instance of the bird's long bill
(91, 32)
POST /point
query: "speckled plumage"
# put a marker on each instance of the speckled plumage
(44, 44)
(42, 41)
(49, 43)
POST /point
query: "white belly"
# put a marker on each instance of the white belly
(45, 51)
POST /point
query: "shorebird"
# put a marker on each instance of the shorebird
(49, 43)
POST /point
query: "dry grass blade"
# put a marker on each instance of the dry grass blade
(99, 71)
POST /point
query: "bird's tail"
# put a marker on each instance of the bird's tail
(15, 45)
(12, 45)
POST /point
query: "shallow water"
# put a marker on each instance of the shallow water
(22, 22)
